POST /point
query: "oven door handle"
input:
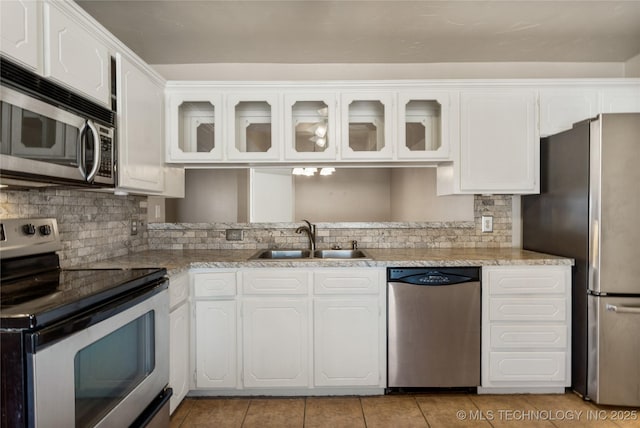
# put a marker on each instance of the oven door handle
(52, 334)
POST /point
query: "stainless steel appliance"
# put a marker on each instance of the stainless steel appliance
(588, 210)
(433, 328)
(79, 348)
(51, 136)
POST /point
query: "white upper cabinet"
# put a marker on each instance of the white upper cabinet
(194, 126)
(140, 129)
(20, 34)
(560, 108)
(424, 124)
(310, 126)
(499, 141)
(367, 121)
(253, 127)
(621, 99)
(74, 57)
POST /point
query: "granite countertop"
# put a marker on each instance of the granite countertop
(176, 261)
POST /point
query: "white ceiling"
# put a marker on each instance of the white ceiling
(310, 31)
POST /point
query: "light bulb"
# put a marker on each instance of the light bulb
(298, 171)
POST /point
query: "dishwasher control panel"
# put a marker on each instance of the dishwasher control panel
(433, 276)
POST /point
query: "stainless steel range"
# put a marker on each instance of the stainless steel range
(78, 347)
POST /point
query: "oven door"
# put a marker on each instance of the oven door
(105, 374)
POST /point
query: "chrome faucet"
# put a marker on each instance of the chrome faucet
(310, 230)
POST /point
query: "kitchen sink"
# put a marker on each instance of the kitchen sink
(340, 254)
(282, 254)
(306, 254)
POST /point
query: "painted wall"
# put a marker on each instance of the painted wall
(506, 70)
(632, 67)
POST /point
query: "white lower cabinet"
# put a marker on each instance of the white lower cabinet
(290, 331)
(216, 344)
(275, 341)
(526, 328)
(346, 336)
(179, 343)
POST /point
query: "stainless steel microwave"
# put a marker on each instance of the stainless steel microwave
(52, 136)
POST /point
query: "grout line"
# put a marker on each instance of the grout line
(246, 412)
(364, 417)
(415, 400)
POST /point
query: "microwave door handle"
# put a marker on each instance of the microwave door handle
(82, 151)
(96, 151)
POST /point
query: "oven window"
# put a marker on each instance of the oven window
(108, 370)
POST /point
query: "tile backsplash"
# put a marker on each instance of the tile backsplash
(96, 226)
(178, 236)
(93, 226)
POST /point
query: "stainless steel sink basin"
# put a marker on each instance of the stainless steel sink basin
(306, 254)
(282, 254)
(340, 254)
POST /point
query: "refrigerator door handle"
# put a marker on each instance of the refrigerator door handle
(623, 309)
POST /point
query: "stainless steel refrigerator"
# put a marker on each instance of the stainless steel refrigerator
(589, 209)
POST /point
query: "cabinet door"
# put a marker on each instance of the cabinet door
(560, 108)
(19, 32)
(621, 99)
(275, 342)
(499, 142)
(140, 129)
(367, 121)
(179, 354)
(346, 341)
(253, 127)
(310, 126)
(216, 346)
(74, 57)
(424, 120)
(194, 126)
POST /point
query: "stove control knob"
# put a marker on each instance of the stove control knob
(29, 229)
(45, 230)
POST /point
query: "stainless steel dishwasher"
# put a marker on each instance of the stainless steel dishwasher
(433, 328)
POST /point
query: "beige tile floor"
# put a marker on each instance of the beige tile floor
(419, 410)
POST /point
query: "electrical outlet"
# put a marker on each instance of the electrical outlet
(487, 223)
(234, 234)
(134, 227)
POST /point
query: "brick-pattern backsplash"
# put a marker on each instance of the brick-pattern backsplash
(193, 236)
(96, 226)
(93, 226)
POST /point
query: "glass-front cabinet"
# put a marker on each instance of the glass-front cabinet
(253, 127)
(423, 125)
(194, 127)
(367, 126)
(310, 126)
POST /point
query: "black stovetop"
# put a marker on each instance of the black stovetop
(42, 298)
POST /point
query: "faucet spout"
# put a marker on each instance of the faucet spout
(310, 230)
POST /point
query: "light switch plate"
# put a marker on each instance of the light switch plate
(487, 223)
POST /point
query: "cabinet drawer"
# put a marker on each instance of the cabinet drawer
(528, 336)
(214, 284)
(528, 280)
(528, 309)
(527, 366)
(347, 281)
(178, 289)
(275, 281)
